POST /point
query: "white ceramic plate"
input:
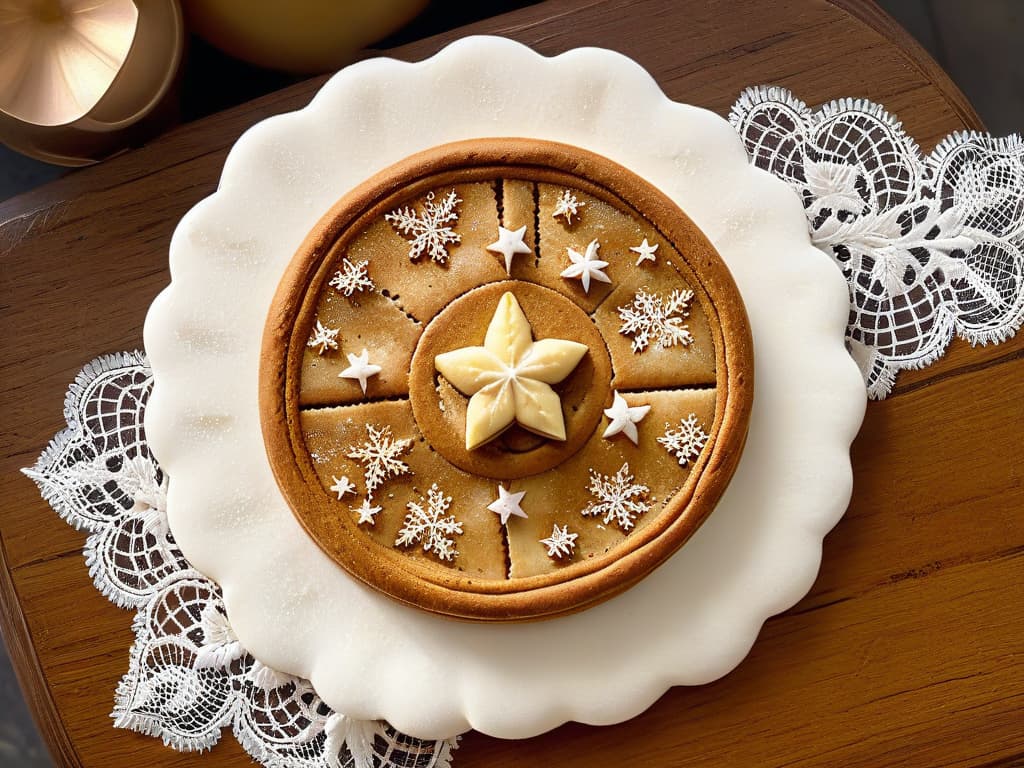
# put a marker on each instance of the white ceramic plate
(690, 621)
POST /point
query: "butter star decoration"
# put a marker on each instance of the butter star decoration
(360, 367)
(586, 266)
(624, 418)
(509, 243)
(507, 504)
(508, 379)
(646, 251)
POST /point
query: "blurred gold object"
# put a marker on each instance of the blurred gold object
(298, 35)
(82, 79)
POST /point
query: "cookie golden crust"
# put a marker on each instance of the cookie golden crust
(442, 329)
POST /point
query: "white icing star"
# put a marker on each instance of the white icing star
(508, 379)
(360, 367)
(342, 486)
(624, 418)
(509, 243)
(560, 542)
(367, 514)
(507, 504)
(646, 251)
(586, 266)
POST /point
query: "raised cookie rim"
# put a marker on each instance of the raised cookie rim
(436, 588)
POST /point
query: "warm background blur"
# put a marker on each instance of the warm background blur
(974, 40)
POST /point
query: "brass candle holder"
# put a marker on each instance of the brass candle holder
(81, 80)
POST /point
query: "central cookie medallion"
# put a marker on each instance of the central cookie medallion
(508, 379)
(504, 379)
(524, 423)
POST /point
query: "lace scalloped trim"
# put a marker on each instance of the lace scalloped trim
(188, 676)
(930, 245)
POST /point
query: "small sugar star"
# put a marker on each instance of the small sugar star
(507, 504)
(560, 543)
(624, 418)
(359, 367)
(367, 514)
(509, 243)
(586, 266)
(342, 486)
(646, 251)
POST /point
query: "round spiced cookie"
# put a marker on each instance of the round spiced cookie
(504, 379)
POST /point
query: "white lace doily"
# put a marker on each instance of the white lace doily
(868, 193)
(368, 655)
(930, 245)
(188, 676)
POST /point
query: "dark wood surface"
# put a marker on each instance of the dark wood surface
(909, 650)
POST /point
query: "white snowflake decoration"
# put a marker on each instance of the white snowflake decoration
(429, 230)
(618, 498)
(430, 525)
(323, 337)
(379, 457)
(686, 441)
(651, 318)
(560, 543)
(567, 206)
(352, 278)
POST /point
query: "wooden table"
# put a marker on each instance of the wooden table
(908, 651)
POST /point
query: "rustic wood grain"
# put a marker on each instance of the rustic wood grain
(909, 650)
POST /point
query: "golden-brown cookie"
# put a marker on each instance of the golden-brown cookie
(504, 379)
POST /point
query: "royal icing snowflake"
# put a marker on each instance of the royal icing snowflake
(560, 543)
(352, 278)
(686, 441)
(428, 232)
(379, 457)
(428, 524)
(567, 206)
(323, 337)
(619, 499)
(651, 318)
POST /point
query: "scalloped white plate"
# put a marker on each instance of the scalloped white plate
(690, 621)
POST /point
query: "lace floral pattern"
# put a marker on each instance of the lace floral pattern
(188, 676)
(930, 245)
